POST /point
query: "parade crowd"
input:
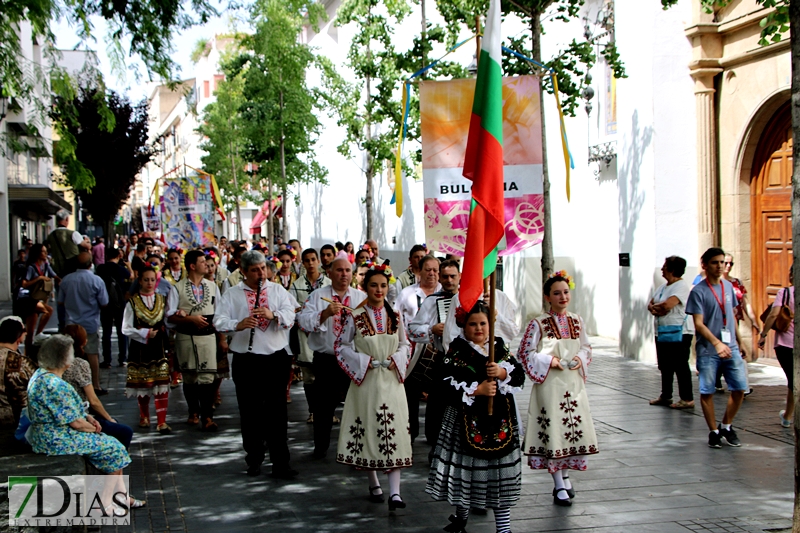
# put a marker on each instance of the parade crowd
(340, 321)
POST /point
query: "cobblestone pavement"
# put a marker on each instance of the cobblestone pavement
(654, 473)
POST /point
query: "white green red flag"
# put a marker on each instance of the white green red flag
(483, 165)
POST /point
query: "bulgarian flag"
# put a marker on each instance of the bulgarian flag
(483, 165)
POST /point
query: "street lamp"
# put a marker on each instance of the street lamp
(473, 67)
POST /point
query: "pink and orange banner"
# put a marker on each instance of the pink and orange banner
(445, 109)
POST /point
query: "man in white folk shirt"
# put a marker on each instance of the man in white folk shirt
(311, 279)
(426, 331)
(191, 306)
(261, 363)
(324, 321)
(408, 303)
(506, 325)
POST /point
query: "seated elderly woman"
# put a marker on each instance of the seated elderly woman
(15, 370)
(59, 425)
(79, 375)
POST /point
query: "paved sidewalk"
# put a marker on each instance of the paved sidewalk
(654, 473)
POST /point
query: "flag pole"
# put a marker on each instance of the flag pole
(491, 318)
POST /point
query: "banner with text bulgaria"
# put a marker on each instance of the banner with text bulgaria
(445, 110)
(187, 212)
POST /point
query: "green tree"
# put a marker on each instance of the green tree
(368, 109)
(112, 153)
(280, 127)
(221, 125)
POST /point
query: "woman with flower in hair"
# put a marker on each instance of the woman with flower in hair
(477, 462)
(555, 353)
(148, 365)
(373, 350)
(215, 272)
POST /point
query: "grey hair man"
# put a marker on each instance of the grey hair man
(64, 245)
(258, 315)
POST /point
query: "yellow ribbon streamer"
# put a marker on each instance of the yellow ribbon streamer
(398, 164)
(564, 146)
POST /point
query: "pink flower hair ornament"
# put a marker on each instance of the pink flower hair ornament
(563, 274)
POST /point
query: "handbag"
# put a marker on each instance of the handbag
(785, 315)
(42, 289)
(670, 333)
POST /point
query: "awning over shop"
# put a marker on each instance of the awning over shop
(39, 199)
(273, 206)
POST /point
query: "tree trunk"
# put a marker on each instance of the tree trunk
(794, 18)
(370, 165)
(548, 262)
(284, 225)
(270, 218)
(284, 229)
(239, 227)
(424, 36)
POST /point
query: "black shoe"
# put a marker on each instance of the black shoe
(318, 455)
(561, 502)
(396, 503)
(570, 492)
(456, 525)
(477, 511)
(105, 364)
(730, 437)
(714, 440)
(254, 470)
(284, 473)
(375, 498)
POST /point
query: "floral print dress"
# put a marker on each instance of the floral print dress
(52, 405)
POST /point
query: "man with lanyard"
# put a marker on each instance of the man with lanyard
(408, 303)
(64, 245)
(323, 318)
(711, 304)
(191, 306)
(259, 322)
(301, 289)
(426, 331)
(411, 275)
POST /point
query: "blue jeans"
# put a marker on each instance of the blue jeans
(732, 368)
(121, 432)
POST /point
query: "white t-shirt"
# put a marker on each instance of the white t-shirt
(677, 315)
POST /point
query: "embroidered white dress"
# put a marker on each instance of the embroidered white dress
(374, 432)
(560, 432)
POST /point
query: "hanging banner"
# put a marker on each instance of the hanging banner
(187, 212)
(151, 221)
(445, 110)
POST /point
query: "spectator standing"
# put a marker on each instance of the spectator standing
(711, 303)
(82, 296)
(674, 332)
(743, 309)
(784, 345)
(116, 278)
(99, 252)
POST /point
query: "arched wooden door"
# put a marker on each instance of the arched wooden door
(771, 197)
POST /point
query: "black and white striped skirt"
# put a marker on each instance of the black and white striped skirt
(467, 481)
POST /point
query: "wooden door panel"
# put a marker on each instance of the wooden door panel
(771, 190)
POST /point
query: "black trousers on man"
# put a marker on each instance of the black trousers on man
(331, 384)
(110, 319)
(261, 393)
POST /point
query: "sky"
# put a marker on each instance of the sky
(139, 86)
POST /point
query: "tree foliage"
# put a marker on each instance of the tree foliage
(773, 26)
(114, 156)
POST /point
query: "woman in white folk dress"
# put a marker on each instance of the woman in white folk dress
(555, 353)
(373, 350)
